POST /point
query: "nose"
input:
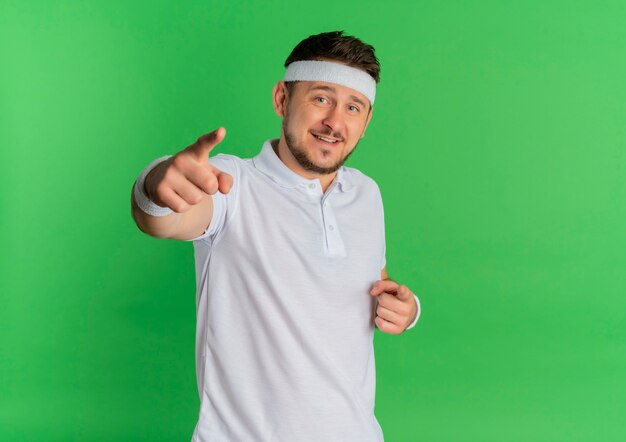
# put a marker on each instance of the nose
(334, 119)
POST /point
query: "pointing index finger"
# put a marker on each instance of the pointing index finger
(207, 142)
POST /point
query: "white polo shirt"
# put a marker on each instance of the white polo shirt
(284, 340)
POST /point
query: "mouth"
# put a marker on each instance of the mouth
(326, 140)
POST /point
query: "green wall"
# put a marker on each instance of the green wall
(499, 144)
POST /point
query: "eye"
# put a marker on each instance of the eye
(321, 100)
(353, 108)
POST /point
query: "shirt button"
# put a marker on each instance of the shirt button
(311, 186)
(331, 227)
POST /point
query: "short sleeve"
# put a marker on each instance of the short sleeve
(383, 258)
(224, 205)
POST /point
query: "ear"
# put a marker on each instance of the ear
(279, 98)
(369, 117)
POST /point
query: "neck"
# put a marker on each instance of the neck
(285, 155)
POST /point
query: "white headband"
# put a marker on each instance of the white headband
(330, 72)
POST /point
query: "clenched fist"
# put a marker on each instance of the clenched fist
(397, 307)
(183, 180)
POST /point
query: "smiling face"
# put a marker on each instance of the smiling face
(322, 124)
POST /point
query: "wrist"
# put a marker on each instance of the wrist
(142, 195)
(148, 186)
(417, 313)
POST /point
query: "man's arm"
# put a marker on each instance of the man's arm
(184, 184)
(383, 274)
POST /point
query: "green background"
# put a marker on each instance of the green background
(499, 144)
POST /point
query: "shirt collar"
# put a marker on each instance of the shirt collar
(271, 165)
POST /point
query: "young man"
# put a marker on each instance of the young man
(290, 259)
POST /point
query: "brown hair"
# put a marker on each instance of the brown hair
(336, 46)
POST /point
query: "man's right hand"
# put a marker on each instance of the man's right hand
(183, 180)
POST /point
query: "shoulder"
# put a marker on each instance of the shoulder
(222, 158)
(363, 183)
(227, 163)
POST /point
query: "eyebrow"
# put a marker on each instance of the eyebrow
(334, 91)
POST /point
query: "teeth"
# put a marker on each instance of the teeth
(328, 140)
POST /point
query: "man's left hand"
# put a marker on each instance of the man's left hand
(396, 306)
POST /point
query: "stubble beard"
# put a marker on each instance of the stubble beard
(303, 159)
